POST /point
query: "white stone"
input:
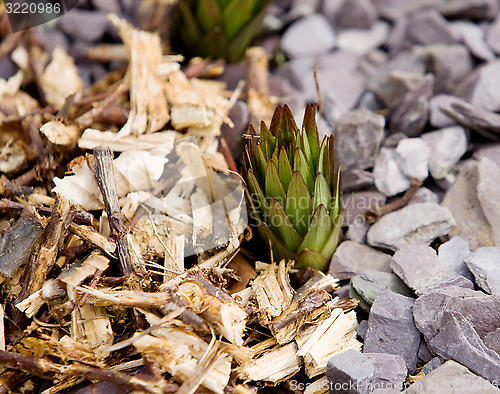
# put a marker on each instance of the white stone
(413, 224)
(413, 155)
(448, 146)
(389, 179)
(308, 37)
(363, 41)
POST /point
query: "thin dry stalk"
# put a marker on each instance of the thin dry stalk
(102, 164)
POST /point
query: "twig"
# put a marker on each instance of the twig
(318, 91)
(102, 164)
(372, 215)
(88, 117)
(228, 155)
(208, 360)
(47, 254)
(93, 284)
(46, 369)
(9, 205)
(88, 234)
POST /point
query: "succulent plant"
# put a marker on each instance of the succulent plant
(294, 189)
(219, 28)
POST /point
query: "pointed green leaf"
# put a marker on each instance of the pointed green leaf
(336, 206)
(318, 231)
(331, 160)
(321, 192)
(333, 239)
(284, 169)
(256, 195)
(222, 3)
(208, 14)
(259, 162)
(279, 249)
(191, 33)
(321, 160)
(327, 158)
(213, 44)
(282, 226)
(313, 259)
(275, 120)
(310, 128)
(267, 140)
(274, 188)
(235, 15)
(298, 204)
(274, 159)
(288, 123)
(307, 150)
(300, 164)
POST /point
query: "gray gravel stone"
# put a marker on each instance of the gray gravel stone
(424, 194)
(461, 200)
(413, 155)
(431, 365)
(452, 256)
(366, 285)
(413, 224)
(389, 179)
(493, 35)
(488, 194)
(492, 340)
(454, 322)
(390, 370)
(363, 41)
(393, 87)
(107, 5)
(361, 328)
(391, 328)
(486, 92)
(411, 115)
(308, 37)
(449, 64)
(479, 117)
(480, 309)
(350, 372)
(339, 77)
(437, 117)
(355, 205)
(491, 151)
(471, 9)
(352, 258)
(331, 9)
(84, 25)
(473, 37)
(424, 354)
(357, 138)
(458, 340)
(428, 27)
(418, 266)
(396, 9)
(240, 115)
(448, 146)
(359, 14)
(357, 232)
(484, 263)
(451, 377)
(356, 180)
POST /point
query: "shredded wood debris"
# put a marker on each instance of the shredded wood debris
(131, 269)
